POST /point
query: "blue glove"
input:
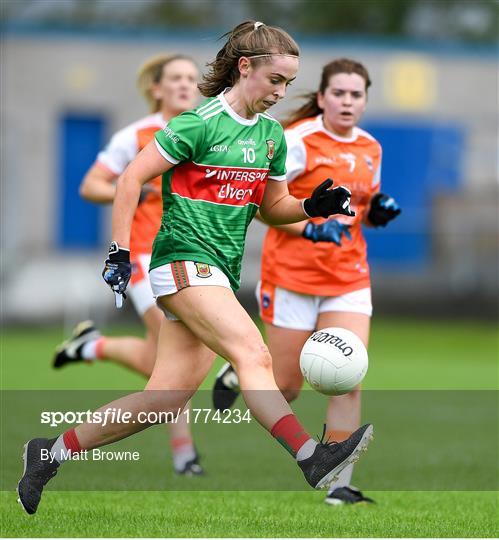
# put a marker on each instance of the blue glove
(383, 209)
(330, 231)
(324, 201)
(117, 269)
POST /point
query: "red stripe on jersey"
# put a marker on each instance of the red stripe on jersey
(235, 186)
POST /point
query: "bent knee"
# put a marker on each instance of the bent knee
(353, 395)
(290, 394)
(355, 392)
(257, 356)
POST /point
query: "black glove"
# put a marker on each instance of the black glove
(330, 231)
(383, 209)
(325, 202)
(117, 269)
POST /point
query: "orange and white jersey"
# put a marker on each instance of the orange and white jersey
(315, 154)
(122, 149)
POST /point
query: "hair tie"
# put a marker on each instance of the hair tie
(258, 24)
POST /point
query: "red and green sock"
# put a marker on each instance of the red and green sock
(291, 434)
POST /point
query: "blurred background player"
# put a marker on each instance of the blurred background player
(169, 85)
(315, 274)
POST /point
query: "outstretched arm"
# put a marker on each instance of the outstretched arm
(279, 207)
(293, 229)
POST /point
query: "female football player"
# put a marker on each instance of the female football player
(169, 86)
(220, 163)
(315, 274)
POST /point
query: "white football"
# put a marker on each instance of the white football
(333, 361)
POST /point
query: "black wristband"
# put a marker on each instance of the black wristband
(307, 208)
(118, 254)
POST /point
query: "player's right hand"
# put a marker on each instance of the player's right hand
(383, 209)
(325, 202)
(117, 269)
(329, 231)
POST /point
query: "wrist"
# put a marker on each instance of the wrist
(308, 231)
(118, 253)
(305, 204)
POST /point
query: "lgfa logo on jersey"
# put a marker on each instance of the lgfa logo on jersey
(219, 148)
(270, 148)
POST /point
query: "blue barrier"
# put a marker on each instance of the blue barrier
(420, 160)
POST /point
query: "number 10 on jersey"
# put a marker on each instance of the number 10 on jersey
(249, 155)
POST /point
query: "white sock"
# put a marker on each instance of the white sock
(306, 450)
(59, 450)
(344, 478)
(88, 351)
(182, 456)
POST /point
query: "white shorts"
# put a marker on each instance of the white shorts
(289, 309)
(139, 288)
(173, 277)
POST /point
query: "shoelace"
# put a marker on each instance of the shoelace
(326, 443)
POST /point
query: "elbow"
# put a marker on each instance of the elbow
(265, 217)
(84, 191)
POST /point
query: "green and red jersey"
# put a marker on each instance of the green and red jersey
(222, 163)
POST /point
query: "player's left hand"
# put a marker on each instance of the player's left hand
(383, 209)
(325, 202)
(117, 269)
(329, 231)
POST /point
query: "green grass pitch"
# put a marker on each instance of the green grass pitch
(404, 354)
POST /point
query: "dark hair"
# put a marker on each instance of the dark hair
(150, 73)
(249, 38)
(311, 107)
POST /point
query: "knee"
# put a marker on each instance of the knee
(148, 357)
(257, 356)
(290, 394)
(160, 402)
(289, 384)
(352, 397)
(152, 320)
(355, 393)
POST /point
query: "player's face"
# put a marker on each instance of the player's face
(343, 102)
(266, 84)
(177, 90)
